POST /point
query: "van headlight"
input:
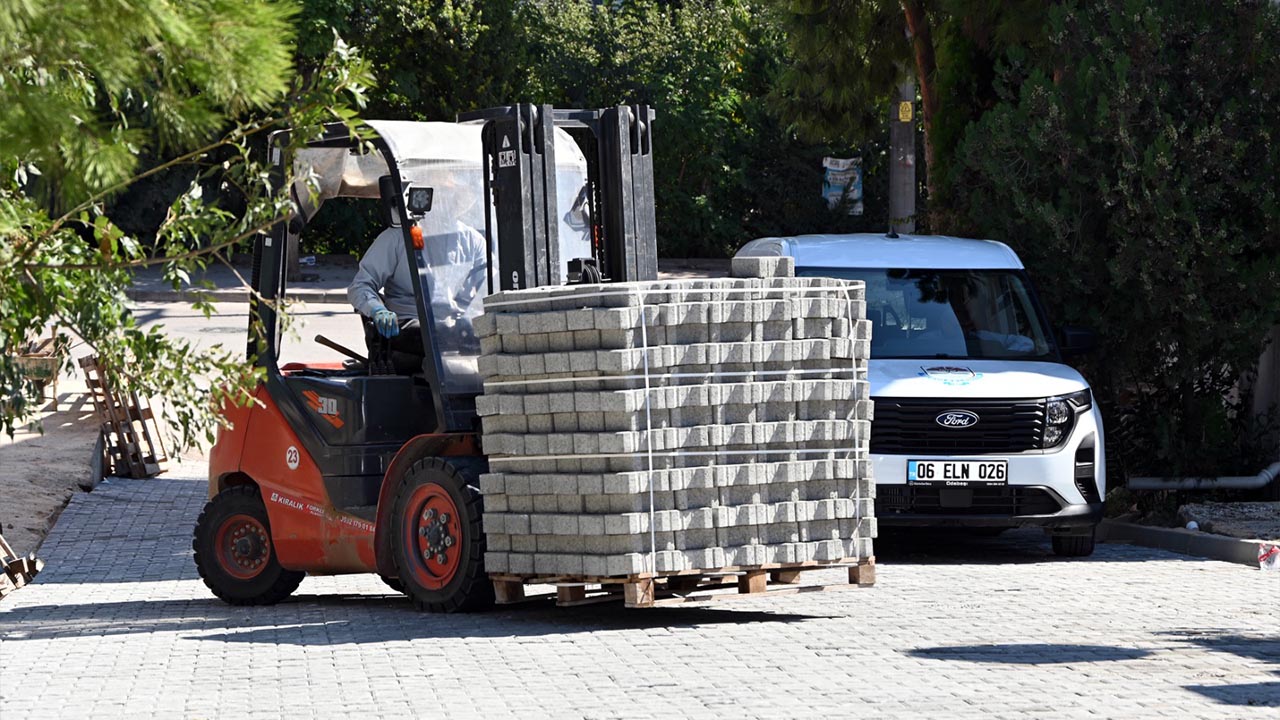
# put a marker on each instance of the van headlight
(1060, 415)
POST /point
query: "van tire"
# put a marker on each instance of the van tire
(1073, 545)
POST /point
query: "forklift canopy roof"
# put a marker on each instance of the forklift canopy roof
(422, 150)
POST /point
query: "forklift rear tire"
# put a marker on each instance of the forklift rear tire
(234, 552)
(437, 537)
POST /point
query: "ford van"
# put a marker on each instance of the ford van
(978, 422)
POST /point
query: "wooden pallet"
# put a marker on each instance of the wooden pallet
(18, 571)
(128, 423)
(647, 590)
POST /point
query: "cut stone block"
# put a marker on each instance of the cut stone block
(496, 562)
(762, 267)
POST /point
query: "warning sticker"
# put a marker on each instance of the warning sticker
(506, 158)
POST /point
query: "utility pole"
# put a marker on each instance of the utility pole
(902, 159)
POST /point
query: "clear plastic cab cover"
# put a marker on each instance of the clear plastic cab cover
(453, 261)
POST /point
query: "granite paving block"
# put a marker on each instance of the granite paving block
(762, 267)
(748, 443)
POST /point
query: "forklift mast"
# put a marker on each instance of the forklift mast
(527, 233)
(520, 185)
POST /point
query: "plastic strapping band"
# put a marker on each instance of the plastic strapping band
(648, 438)
(640, 292)
(662, 376)
(681, 453)
(857, 483)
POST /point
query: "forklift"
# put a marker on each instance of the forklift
(372, 465)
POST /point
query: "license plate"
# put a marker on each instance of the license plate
(958, 473)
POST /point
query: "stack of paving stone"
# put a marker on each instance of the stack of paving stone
(750, 450)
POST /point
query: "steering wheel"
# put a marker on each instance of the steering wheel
(886, 308)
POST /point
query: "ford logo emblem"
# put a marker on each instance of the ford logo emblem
(957, 419)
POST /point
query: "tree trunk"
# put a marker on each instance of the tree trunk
(921, 36)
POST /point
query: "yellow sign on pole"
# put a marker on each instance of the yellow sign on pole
(906, 109)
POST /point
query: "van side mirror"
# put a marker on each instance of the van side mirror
(1074, 340)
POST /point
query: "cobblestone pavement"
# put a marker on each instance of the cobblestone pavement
(120, 626)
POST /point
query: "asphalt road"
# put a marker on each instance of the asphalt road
(228, 327)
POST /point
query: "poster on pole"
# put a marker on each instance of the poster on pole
(842, 182)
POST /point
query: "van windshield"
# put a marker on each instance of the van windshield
(961, 314)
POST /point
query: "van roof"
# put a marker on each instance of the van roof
(869, 250)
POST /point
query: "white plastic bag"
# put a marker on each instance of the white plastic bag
(1269, 557)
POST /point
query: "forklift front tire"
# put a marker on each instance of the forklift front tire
(437, 536)
(234, 552)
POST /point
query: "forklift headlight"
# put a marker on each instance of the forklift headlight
(420, 200)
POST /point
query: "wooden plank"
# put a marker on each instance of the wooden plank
(18, 579)
(777, 590)
(863, 575)
(602, 597)
(683, 583)
(753, 582)
(655, 589)
(638, 593)
(786, 577)
(567, 594)
(727, 570)
(507, 592)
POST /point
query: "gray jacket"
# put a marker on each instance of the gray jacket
(456, 259)
(384, 267)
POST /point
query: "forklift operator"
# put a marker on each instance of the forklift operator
(457, 261)
(385, 267)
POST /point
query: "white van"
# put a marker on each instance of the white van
(977, 421)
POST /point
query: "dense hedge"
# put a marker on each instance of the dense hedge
(1135, 168)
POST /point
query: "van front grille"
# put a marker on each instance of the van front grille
(905, 426)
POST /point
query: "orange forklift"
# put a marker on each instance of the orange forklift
(372, 465)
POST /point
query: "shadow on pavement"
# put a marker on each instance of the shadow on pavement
(1257, 648)
(358, 619)
(959, 546)
(1031, 653)
(1263, 694)
(1264, 648)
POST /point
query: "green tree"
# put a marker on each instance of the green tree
(849, 56)
(433, 58)
(1135, 166)
(725, 169)
(91, 87)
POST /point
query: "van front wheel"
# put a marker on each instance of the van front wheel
(1074, 545)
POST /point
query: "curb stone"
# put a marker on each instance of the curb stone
(239, 295)
(1183, 541)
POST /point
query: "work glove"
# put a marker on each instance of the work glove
(386, 322)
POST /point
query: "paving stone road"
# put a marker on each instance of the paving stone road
(119, 625)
